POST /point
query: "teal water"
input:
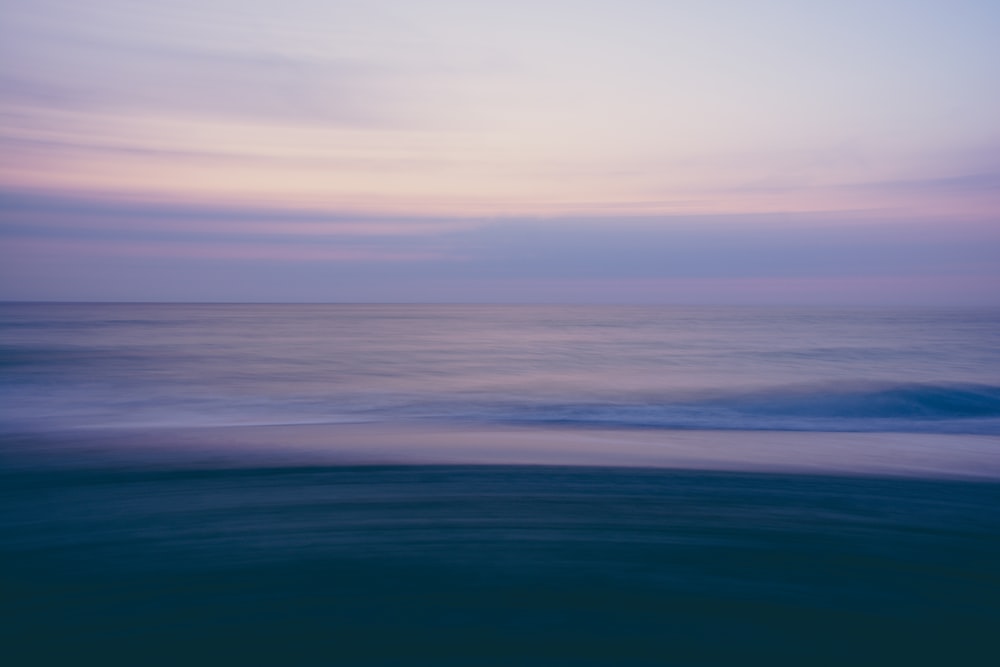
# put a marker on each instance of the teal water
(496, 565)
(123, 541)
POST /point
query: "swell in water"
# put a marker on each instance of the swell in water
(852, 407)
(930, 408)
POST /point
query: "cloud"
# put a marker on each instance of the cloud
(563, 248)
(737, 246)
(65, 247)
(39, 224)
(969, 183)
(116, 76)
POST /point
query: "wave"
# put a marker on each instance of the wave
(959, 408)
(908, 401)
(902, 407)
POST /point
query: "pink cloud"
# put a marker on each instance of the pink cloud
(219, 251)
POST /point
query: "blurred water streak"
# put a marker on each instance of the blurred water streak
(911, 370)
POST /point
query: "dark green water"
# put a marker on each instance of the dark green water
(503, 565)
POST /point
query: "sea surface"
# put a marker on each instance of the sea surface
(81, 365)
(248, 484)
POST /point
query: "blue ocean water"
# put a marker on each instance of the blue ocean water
(906, 370)
(236, 556)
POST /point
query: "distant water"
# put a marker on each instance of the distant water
(123, 542)
(67, 366)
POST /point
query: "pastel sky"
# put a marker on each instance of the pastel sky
(686, 151)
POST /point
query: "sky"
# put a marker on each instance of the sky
(625, 151)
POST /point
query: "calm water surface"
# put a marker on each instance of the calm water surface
(736, 368)
(235, 560)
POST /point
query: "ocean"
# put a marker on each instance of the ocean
(376, 484)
